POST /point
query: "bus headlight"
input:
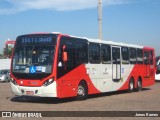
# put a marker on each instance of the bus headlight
(48, 82)
(13, 81)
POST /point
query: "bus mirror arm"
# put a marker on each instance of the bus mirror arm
(65, 58)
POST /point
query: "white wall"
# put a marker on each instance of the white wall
(5, 63)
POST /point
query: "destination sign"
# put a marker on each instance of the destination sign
(37, 40)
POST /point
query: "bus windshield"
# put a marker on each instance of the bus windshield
(33, 59)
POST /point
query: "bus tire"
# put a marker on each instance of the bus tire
(131, 85)
(82, 91)
(139, 85)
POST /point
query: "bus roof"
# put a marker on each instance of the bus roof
(110, 42)
(95, 40)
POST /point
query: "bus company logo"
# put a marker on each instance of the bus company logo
(20, 114)
(33, 83)
(6, 114)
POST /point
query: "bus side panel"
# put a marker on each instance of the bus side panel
(151, 79)
(148, 67)
(136, 73)
(67, 86)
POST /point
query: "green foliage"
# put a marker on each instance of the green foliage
(7, 52)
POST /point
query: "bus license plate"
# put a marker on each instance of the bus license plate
(29, 92)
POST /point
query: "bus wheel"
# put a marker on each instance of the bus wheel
(82, 91)
(139, 85)
(131, 85)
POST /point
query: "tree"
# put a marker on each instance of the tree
(7, 52)
(1, 56)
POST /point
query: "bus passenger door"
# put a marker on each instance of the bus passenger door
(146, 64)
(66, 71)
(116, 64)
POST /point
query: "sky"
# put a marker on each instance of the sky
(129, 21)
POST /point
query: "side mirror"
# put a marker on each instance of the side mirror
(65, 58)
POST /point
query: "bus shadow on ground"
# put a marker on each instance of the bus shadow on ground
(48, 100)
(43, 100)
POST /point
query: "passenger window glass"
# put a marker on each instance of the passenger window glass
(81, 52)
(94, 53)
(116, 55)
(139, 56)
(132, 56)
(151, 57)
(146, 57)
(125, 55)
(106, 54)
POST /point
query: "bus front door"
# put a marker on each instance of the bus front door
(116, 64)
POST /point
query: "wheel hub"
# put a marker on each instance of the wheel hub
(80, 91)
(131, 85)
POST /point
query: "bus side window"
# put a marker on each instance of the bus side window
(94, 53)
(116, 59)
(81, 52)
(132, 55)
(139, 56)
(125, 55)
(151, 57)
(70, 50)
(106, 54)
(146, 57)
(69, 55)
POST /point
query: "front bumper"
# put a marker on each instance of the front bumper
(43, 91)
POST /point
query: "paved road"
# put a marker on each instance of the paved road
(146, 100)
